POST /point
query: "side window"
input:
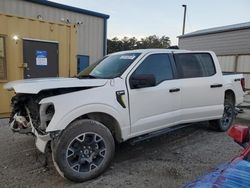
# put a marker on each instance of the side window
(208, 64)
(158, 65)
(193, 65)
(3, 75)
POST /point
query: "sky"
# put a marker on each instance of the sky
(141, 18)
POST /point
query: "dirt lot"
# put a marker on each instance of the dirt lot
(170, 160)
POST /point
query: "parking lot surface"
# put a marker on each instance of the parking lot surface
(170, 160)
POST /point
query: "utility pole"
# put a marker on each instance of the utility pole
(184, 19)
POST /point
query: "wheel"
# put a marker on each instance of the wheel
(227, 119)
(83, 151)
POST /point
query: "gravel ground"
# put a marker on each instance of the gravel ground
(171, 160)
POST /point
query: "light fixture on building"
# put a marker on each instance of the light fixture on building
(39, 17)
(15, 38)
(66, 20)
(79, 23)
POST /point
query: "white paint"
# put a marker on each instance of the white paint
(33, 86)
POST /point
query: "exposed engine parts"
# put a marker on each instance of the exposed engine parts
(27, 113)
(20, 124)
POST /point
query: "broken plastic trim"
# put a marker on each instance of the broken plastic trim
(44, 116)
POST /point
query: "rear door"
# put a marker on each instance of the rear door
(202, 91)
(40, 59)
(154, 107)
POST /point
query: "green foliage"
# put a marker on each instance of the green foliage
(126, 43)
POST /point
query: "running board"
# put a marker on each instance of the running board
(157, 133)
(244, 106)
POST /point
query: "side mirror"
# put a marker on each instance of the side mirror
(240, 134)
(142, 81)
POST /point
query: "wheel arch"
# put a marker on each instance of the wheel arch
(104, 114)
(108, 121)
(230, 95)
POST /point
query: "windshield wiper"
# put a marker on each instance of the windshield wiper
(85, 76)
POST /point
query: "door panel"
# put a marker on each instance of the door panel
(155, 107)
(40, 58)
(201, 85)
(200, 101)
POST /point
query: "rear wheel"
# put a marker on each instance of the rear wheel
(83, 151)
(227, 119)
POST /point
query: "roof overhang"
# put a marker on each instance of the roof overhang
(215, 30)
(69, 8)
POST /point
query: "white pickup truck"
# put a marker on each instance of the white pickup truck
(126, 95)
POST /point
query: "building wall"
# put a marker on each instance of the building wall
(225, 43)
(33, 29)
(239, 63)
(90, 34)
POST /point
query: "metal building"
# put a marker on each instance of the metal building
(91, 26)
(39, 38)
(230, 43)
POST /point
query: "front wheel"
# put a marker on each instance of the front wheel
(83, 151)
(227, 119)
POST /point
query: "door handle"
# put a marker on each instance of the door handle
(174, 90)
(216, 85)
(237, 79)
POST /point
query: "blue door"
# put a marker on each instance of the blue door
(82, 62)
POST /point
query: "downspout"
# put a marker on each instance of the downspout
(105, 20)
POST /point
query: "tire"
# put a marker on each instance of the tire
(83, 151)
(227, 120)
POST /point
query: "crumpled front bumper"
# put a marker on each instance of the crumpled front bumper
(41, 140)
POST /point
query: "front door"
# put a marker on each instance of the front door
(156, 107)
(40, 59)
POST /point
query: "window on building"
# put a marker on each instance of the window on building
(2, 59)
(192, 65)
(158, 65)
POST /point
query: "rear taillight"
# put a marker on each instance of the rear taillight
(242, 81)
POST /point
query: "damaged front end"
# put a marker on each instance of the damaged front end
(30, 117)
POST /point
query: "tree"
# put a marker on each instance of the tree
(126, 43)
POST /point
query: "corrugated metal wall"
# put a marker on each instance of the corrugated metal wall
(227, 63)
(34, 29)
(90, 34)
(236, 63)
(233, 42)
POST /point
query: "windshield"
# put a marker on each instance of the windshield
(109, 67)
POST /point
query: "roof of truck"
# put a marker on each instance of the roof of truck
(151, 50)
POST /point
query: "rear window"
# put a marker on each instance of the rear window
(193, 65)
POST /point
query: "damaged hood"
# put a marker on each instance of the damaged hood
(34, 86)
